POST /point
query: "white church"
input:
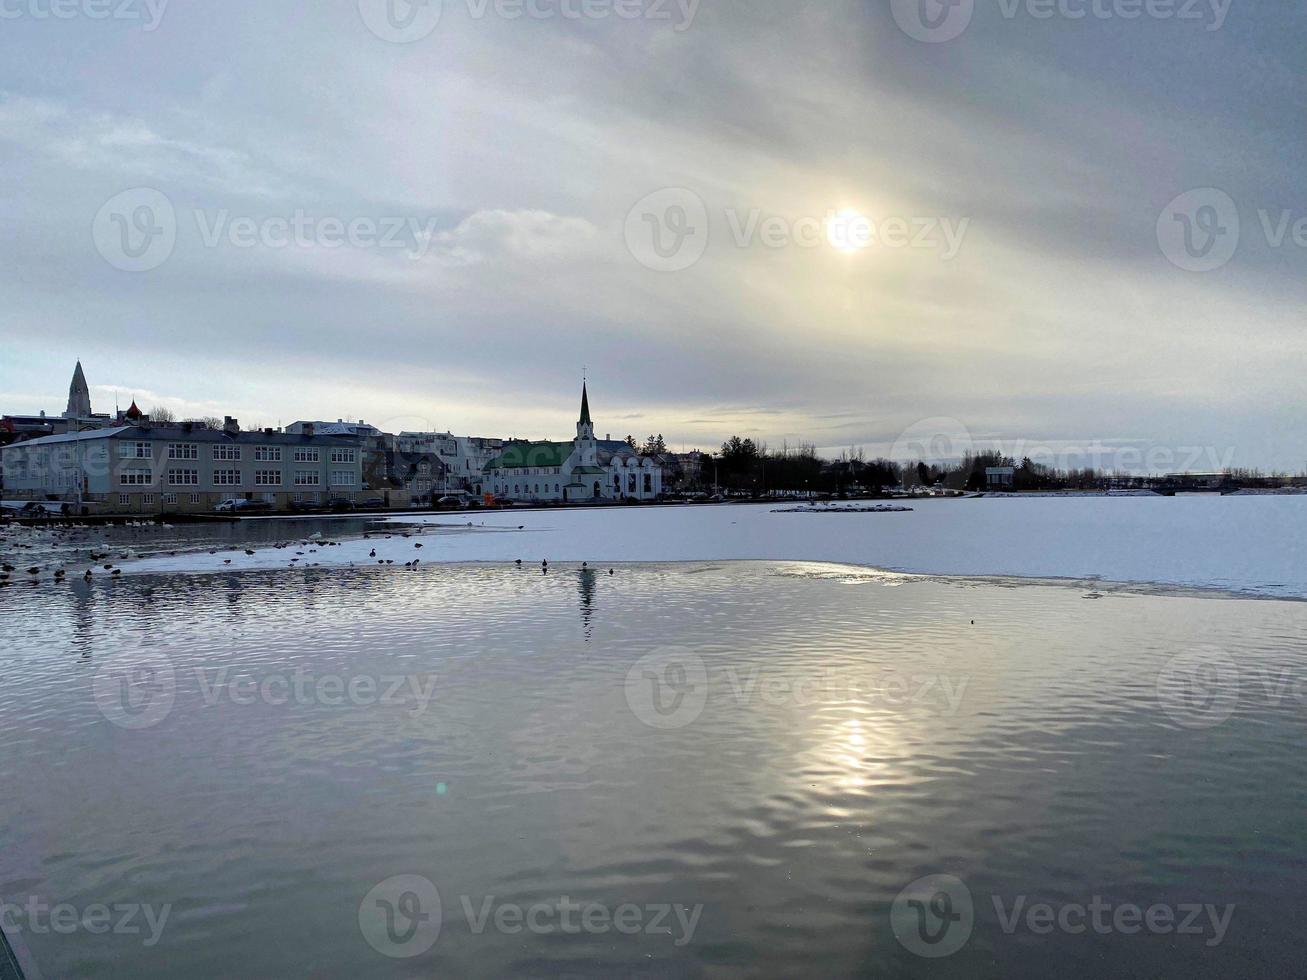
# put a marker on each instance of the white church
(585, 469)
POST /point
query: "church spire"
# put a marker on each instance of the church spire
(79, 396)
(585, 405)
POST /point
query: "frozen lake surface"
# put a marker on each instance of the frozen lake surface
(1248, 545)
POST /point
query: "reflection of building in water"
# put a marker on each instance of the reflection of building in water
(587, 590)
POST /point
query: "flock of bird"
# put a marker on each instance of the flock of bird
(69, 545)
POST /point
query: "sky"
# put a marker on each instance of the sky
(1070, 229)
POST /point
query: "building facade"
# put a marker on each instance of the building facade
(464, 457)
(585, 469)
(183, 468)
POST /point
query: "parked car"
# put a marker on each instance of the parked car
(340, 505)
(305, 507)
(237, 505)
(374, 503)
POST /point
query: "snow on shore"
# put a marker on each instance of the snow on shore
(1253, 544)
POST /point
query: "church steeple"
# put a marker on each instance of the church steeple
(79, 396)
(585, 430)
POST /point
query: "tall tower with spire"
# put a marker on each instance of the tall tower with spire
(79, 396)
(586, 448)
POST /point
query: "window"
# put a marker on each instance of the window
(342, 478)
(648, 483)
(195, 498)
(148, 500)
(133, 450)
(227, 452)
(226, 478)
(184, 478)
(170, 498)
(268, 454)
(183, 450)
(307, 456)
(307, 478)
(124, 499)
(267, 478)
(136, 478)
(342, 456)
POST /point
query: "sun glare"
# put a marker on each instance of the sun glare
(848, 230)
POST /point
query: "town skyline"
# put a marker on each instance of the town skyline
(1045, 298)
(935, 440)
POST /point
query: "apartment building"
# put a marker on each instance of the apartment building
(183, 468)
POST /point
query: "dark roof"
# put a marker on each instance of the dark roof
(179, 433)
(585, 404)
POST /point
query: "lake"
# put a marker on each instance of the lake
(703, 768)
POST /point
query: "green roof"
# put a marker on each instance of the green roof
(588, 471)
(521, 455)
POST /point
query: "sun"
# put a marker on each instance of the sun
(849, 231)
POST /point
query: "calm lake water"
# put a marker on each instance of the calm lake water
(695, 770)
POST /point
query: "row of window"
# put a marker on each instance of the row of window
(234, 478)
(225, 453)
(148, 499)
(617, 485)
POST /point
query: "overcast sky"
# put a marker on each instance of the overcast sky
(288, 210)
